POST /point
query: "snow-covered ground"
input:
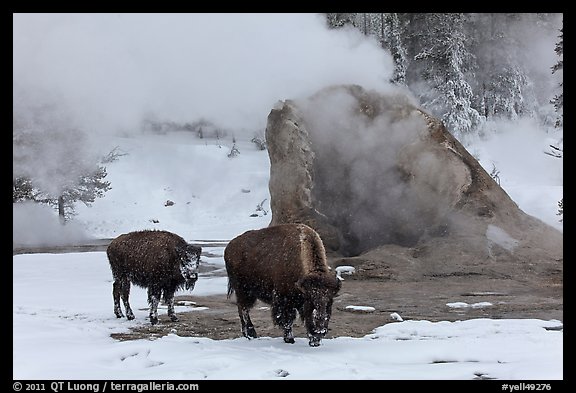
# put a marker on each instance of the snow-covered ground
(62, 303)
(63, 320)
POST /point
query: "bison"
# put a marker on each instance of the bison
(284, 266)
(161, 261)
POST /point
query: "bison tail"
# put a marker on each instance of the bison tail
(230, 290)
(318, 253)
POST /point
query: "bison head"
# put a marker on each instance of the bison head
(319, 291)
(189, 261)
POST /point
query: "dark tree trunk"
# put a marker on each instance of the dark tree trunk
(61, 209)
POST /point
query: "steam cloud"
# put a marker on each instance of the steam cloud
(100, 74)
(110, 70)
(376, 177)
(34, 225)
(78, 78)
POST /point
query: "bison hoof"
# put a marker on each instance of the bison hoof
(174, 318)
(288, 336)
(314, 342)
(118, 312)
(130, 316)
(153, 320)
(250, 333)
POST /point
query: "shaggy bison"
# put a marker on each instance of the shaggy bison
(285, 266)
(161, 261)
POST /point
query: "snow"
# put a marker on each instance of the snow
(395, 316)
(344, 269)
(190, 172)
(63, 312)
(532, 179)
(65, 334)
(340, 270)
(466, 305)
(62, 330)
(361, 308)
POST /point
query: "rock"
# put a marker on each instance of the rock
(393, 194)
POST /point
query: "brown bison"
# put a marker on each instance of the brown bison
(285, 266)
(161, 261)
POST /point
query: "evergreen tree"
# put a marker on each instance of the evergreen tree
(51, 163)
(362, 22)
(86, 188)
(503, 88)
(385, 27)
(465, 68)
(391, 38)
(558, 100)
(23, 190)
(442, 62)
(336, 20)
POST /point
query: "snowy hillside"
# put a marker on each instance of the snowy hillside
(214, 196)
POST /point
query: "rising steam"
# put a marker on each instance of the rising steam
(109, 71)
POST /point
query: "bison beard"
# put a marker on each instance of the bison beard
(161, 261)
(285, 266)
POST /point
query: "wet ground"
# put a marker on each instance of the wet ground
(216, 316)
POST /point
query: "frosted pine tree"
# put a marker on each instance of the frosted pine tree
(336, 20)
(558, 100)
(503, 88)
(391, 32)
(51, 164)
(440, 67)
(387, 28)
(363, 21)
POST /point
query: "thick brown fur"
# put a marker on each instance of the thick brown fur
(160, 261)
(285, 266)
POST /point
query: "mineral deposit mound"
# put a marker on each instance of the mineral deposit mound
(394, 194)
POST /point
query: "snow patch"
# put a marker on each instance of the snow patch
(185, 303)
(182, 308)
(466, 305)
(349, 270)
(457, 305)
(481, 305)
(395, 316)
(360, 308)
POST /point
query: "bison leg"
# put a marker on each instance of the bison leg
(116, 295)
(169, 300)
(284, 316)
(245, 302)
(124, 288)
(248, 329)
(153, 300)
